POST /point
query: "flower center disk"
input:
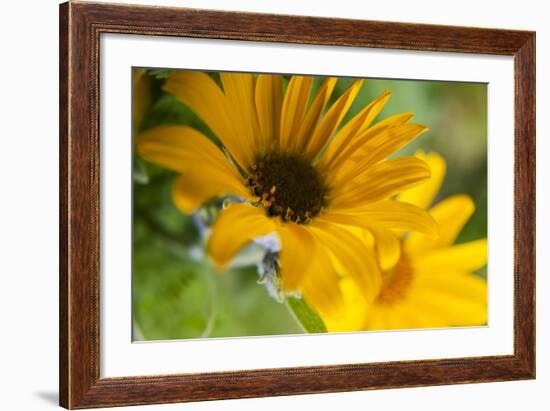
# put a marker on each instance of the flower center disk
(288, 187)
(396, 282)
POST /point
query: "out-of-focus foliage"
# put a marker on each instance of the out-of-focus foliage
(176, 291)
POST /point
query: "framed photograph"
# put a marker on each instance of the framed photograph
(260, 205)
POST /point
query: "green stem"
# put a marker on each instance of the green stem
(308, 319)
(213, 293)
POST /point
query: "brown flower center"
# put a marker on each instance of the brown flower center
(396, 282)
(288, 187)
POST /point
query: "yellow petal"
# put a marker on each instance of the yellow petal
(381, 318)
(294, 108)
(387, 245)
(456, 311)
(319, 284)
(423, 194)
(380, 130)
(353, 313)
(375, 318)
(382, 145)
(350, 254)
(269, 100)
(451, 215)
(202, 183)
(297, 253)
(459, 284)
(395, 215)
(207, 173)
(368, 150)
(202, 95)
(359, 123)
(469, 256)
(380, 181)
(180, 147)
(314, 112)
(240, 105)
(332, 119)
(408, 315)
(234, 228)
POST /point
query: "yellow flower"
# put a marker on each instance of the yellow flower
(433, 284)
(288, 155)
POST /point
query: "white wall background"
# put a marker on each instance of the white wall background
(29, 218)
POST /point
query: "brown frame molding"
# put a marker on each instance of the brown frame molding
(81, 24)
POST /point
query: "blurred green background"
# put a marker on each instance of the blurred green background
(177, 293)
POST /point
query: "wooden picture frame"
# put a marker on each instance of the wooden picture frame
(80, 27)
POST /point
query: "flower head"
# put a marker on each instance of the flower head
(433, 283)
(319, 184)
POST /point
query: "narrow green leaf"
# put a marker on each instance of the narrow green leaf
(304, 314)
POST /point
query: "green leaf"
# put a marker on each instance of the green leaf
(304, 314)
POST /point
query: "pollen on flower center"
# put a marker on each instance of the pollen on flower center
(396, 282)
(288, 187)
